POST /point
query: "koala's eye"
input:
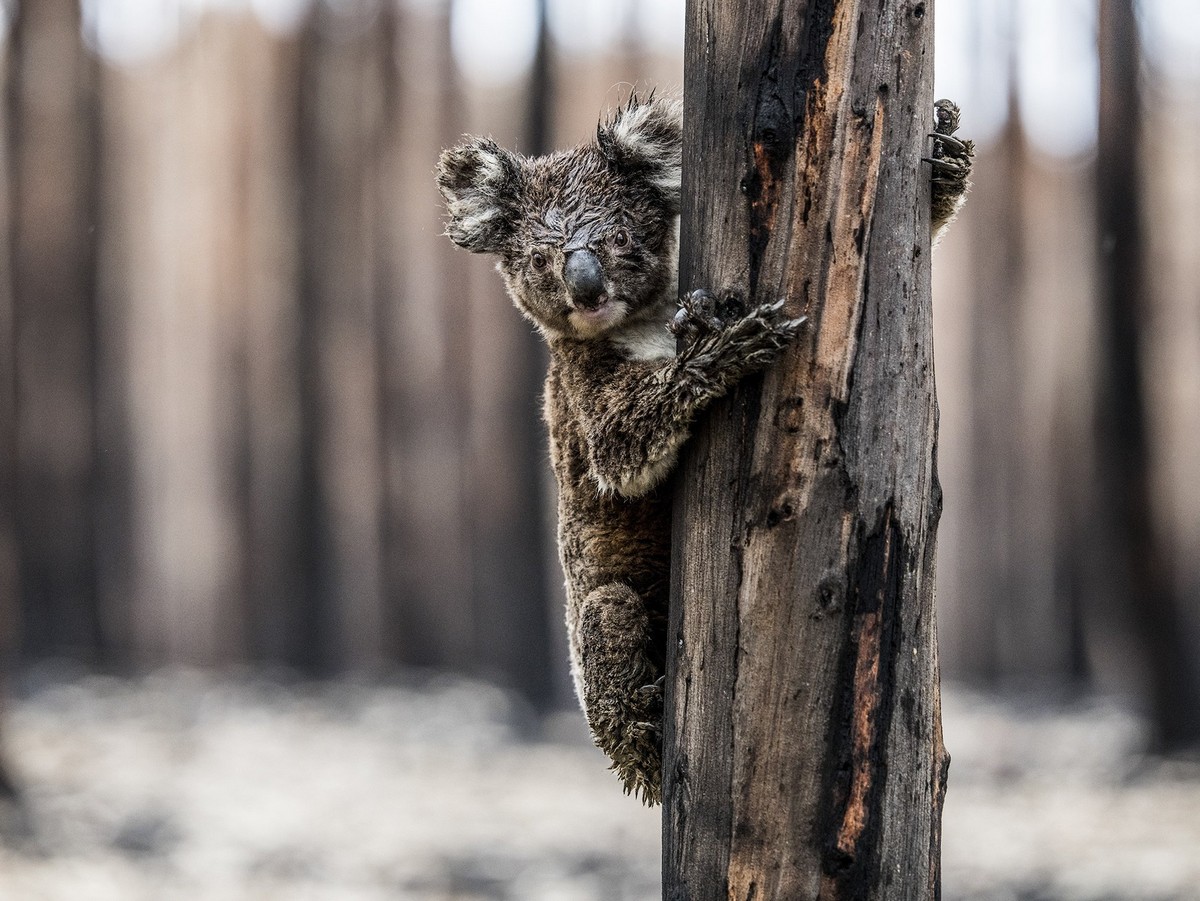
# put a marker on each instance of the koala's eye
(537, 260)
(621, 237)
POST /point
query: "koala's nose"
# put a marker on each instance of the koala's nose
(584, 278)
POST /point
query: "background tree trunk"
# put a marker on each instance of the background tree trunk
(346, 86)
(9, 582)
(426, 367)
(52, 164)
(514, 625)
(1141, 565)
(803, 747)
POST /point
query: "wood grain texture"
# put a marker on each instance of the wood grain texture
(803, 742)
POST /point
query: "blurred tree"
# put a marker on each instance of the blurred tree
(197, 320)
(9, 582)
(465, 536)
(53, 123)
(507, 507)
(1137, 551)
(426, 365)
(259, 235)
(803, 746)
(346, 98)
(1007, 625)
(994, 632)
(539, 112)
(1018, 629)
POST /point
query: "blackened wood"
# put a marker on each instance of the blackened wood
(803, 743)
(1143, 570)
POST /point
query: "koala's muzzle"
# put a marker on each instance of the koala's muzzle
(584, 278)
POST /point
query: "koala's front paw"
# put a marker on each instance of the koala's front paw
(716, 361)
(759, 337)
(702, 312)
(951, 163)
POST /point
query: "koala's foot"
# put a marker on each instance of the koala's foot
(622, 687)
(951, 163)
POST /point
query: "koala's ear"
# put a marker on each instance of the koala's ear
(481, 183)
(645, 138)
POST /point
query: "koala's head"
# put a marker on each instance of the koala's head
(586, 237)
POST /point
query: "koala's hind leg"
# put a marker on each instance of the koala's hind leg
(622, 686)
(951, 161)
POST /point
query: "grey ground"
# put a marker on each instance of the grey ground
(183, 786)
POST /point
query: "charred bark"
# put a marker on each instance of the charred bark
(803, 748)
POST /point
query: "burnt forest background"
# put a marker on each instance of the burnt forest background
(256, 411)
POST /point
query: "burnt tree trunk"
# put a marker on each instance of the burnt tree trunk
(426, 357)
(52, 166)
(512, 639)
(345, 101)
(9, 583)
(803, 745)
(1141, 564)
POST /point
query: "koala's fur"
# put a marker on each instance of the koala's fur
(587, 246)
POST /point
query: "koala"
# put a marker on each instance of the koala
(951, 162)
(587, 241)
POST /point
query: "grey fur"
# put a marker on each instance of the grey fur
(951, 164)
(618, 402)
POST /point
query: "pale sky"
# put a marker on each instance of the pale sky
(493, 41)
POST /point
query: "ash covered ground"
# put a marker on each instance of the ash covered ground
(186, 786)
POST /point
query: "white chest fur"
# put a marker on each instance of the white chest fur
(646, 340)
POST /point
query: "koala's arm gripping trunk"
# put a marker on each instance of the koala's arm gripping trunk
(638, 414)
(802, 650)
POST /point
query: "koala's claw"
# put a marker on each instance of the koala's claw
(949, 162)
(697, 315)
(948, 151)
(948, 142)
(770, 313)
(759, 338)
(946, 165)
(702, 313)
(946, 115)
(748, 342)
